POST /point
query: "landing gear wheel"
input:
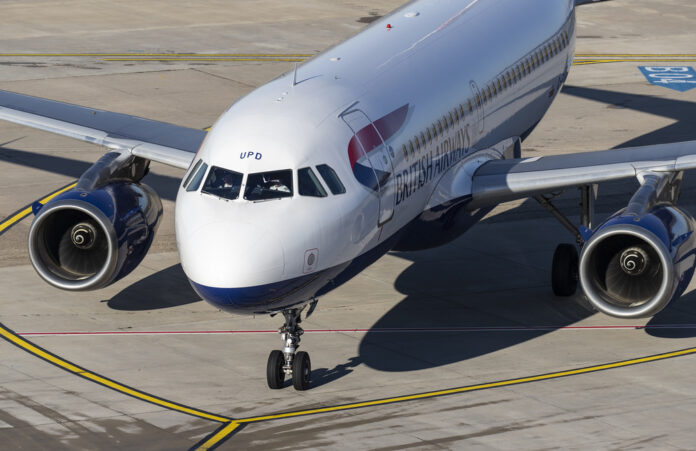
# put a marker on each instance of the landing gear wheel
(275, 376)
(564, 270)
(301, 371)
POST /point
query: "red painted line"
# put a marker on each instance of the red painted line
(379, 330)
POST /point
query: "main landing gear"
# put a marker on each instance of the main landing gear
(564, 268)
(288, 362)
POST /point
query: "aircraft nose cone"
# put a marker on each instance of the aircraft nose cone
(226, 255)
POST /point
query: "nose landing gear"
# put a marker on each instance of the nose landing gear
(288, 362)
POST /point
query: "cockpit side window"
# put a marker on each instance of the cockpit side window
(191, 172)
(223, 183)
(308, 184)
(197, 178)
(331, 178)
(269, 185)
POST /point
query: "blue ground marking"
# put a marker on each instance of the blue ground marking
(679, 78)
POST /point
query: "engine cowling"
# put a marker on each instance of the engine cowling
(634, 266)
(86, 240)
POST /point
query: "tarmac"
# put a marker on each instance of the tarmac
(462, 346)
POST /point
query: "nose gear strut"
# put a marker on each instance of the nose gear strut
(289, 362)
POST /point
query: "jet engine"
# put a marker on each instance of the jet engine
(640, 259)
(94, 235)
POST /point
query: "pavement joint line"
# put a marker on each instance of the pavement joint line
(613, 327)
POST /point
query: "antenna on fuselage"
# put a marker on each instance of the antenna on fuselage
(294, 76)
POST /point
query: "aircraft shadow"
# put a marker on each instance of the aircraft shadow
(414, 350)
(323, 376)
(165, 186)
(681, 111)
(164, 289)
(678, 320)
(485, 296)
(490, 317)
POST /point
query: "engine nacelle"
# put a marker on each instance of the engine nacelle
(85, 240)
(634, 266)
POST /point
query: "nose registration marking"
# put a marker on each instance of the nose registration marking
(311, 258)
(254, 155)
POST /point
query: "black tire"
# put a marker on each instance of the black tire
(275, 376)
(301, 371)
(564, 270)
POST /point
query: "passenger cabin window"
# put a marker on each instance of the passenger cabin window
(268, 185)
(331, 179)
(197, 179)
(308, 184)
(223, 183)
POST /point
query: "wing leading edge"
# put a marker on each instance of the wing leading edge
(158, 141)
(504, 180)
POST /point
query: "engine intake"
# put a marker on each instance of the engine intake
(85, 240)
(634, 266)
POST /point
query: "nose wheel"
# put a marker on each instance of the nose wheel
(289, 362)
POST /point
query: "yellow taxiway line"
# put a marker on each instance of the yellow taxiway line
(133, 54)
(26, 211)
(230, 426)
(580, 58)
(218, 437)
(224, 433)
(53, 359)
(273, 60)
(635, 55)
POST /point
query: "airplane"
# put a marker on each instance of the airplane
(401, 138)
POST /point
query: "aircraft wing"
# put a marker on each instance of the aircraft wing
(503, 180)
(157, 141)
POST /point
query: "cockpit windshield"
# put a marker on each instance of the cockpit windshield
(269, 185)
(308, 184)
(223, 183)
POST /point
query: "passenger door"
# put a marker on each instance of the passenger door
(378, 157)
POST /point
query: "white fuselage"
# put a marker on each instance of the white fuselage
(401, 114)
